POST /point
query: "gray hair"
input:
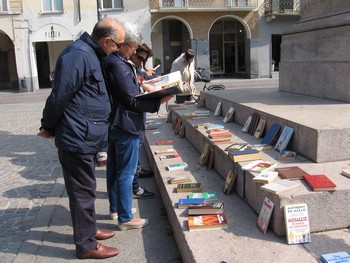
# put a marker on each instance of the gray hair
(132, 34)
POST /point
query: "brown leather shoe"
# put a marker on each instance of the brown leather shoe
(101, 252)
(103, 234)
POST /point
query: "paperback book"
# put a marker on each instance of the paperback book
(259, 146)
(237, 146)
(206, 209)
(185, 202)
(245, 155)
(297, 224)
(259, 166)
(165, 151)
(176, 166)
(165, 142)
(179, 180)
(169, 156)
(287, 155)
(260, 128)
(220, 134)
(230, 179)
(271, 134)
(189, 188)
(201, 222)
(284, 139)
(265, 177)
(229, 114)
(204, 157)
(246, 124)
(218, 109)
(265, 215)
(280, 186)
(254, 123)
(336, 257)
(208, 196)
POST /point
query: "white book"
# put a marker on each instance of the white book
(218, 109)
(259, 166)
(165, 151)
(280, 186)
(265, 215)
(265, 177)
(176, 166)
(297, 223)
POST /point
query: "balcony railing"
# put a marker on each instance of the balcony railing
(282, 7)
(202, 4)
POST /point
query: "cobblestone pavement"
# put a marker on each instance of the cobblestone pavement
(28, 168)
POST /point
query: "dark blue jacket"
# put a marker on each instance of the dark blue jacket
(78, 109)
(124, 86)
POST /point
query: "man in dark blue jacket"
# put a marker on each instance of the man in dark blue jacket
(77, 115)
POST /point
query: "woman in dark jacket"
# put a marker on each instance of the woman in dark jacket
(127, 125)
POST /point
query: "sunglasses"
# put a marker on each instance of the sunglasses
(140, 58)
(117, 44)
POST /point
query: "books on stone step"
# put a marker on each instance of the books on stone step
(221, 140)
(169, 156)
(259, 166)
(287, 155)
(165, 151)
(246, 124)
(205, 209)
(265, 214)
(229, 181)
(271, 134)
(179, 179)
(218, 130)
(319, 182)
(237, 146)
(265, 177)
(229, 114)
(165, 142)
(185, 202)
(218, 109)
(202, 125)
(220, 134)
(245, 155)
(346, 172)
(336, 257)
(214, 126)
(176, 166)
(284, 138)
(208, 196)
(291, 172)
(254, 123)
(259, 146)
(189, 188)
(206, 222)
(296, 220)
(204, 157)
(153, 126)
(280, 186)
(260, 128)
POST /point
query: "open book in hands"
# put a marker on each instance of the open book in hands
(165, 85)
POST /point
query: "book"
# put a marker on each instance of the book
(218, 130)
(253, 123)
(260, 128)
(221, 140)
(336, 257)
(157, 71)
(346, 172)
(210, 162)
(229, 114)
(165, 151)
(177, 125)
(284, 138)
(280, 186)
(230, 179)
(222, 134)
(287, 155)
(205, 209)
(296, 220)
(179, 180)
(202, 125)
(168, 84)
(319, 182)
(258, 166)
(237, 146)
(271, 134)
(244, 155)
(185, 202)
(204, 157)
(153, 126)
(291, 172)
(217, 111)
(265, 177)
(189, 187)
(170, 156)
(214, 126)
(165, 142)
(176, 166)
(201, 222)
(259, 146)
(208, 196)
(265, 214)
(246, 124)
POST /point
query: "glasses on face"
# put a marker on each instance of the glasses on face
(141, 59)
(118, 45)
(130, 46)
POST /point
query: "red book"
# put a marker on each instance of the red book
(224, 134)
(319, 182)
(213, 221)
(165, 142)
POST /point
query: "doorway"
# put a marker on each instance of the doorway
(43, 64)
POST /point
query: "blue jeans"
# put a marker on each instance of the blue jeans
(123, 154)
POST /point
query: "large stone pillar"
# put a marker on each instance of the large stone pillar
(315, 56)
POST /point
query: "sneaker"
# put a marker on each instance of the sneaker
(142, 193)
(114, 215)
(135, 223)
(144, 173)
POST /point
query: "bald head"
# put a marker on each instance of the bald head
(107, 27)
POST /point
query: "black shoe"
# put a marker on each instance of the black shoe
(142, 193)
(144, 173)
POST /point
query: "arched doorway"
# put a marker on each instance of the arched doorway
(227, 41)
(8, 69)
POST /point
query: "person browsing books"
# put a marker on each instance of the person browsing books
(77, 115)
(127, 125)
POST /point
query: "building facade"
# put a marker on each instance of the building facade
(233, 38)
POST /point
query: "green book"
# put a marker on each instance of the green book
(208, 196)
(189, 187)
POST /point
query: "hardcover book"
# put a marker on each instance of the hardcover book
(297, 223)
(265, 177)
(176, 166)
(168, 84)
(336, 257)
(287, 155)
(189, 187)
(245, 155)
(259, 166)
(284, 139)
(201, 222)
(265, 215)
(206, 209)
(179, 180)
(291, 172)
(218, 109)
(208, 196)
(165, 142)
(185, 202)
(229, 114)
(271, 134)
(319, 182)
(260, 128)
(230, 179)
(237, 146)
(253, 123)
(247, 124)
(280, 186)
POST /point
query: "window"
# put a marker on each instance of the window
(112, 4)
(52, 5)
(4, 6)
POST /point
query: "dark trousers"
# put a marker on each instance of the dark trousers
(79, 177)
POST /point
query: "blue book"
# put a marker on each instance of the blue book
(284, 139)
(337, 257)
(271, 133)
(185, 202)
(157, 72)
